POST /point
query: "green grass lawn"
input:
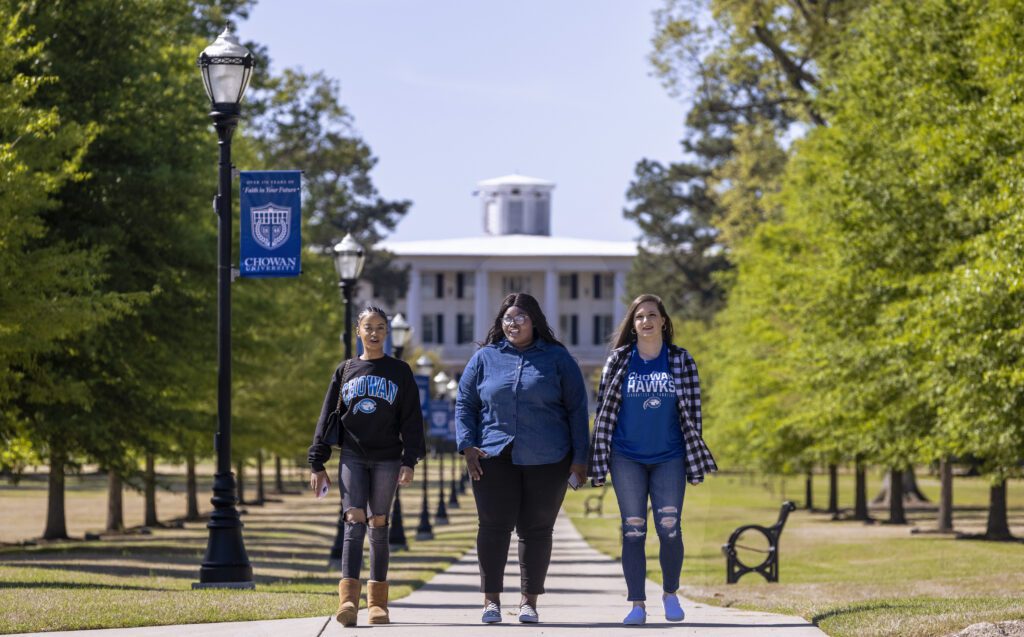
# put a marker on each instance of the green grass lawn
(848, 577)
(134, 579)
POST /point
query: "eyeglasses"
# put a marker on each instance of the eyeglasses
(518, 319)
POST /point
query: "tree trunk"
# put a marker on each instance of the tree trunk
(240, 480)
(809, 489)
(833, 488)
(115, 501)
(191, 495)
(150, 483)
(860, 507)
(912, 495)
(897, 514)
(278, 477)
(260, 493)
(998, 527)
(56, 528)
(946, 496)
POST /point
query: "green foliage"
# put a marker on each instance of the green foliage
(880, 307)
(51, 285)
(750, 69)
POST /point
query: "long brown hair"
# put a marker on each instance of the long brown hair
(624, 333)
(528, 304)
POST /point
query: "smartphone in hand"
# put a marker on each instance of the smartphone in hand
(323, 491)
(573, 482)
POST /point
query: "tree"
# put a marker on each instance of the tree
(144, 209)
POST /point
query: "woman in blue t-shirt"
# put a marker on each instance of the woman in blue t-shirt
(647, 432)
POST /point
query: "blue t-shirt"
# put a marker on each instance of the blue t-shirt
(648, 427)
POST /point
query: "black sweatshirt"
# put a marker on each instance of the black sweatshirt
(381, 417)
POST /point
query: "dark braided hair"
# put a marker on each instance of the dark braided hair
(528, 304)
(371, 309)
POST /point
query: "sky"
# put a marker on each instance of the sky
(449, 93)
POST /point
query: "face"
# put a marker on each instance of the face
(648, 321)
(373, 331)
(517, 326)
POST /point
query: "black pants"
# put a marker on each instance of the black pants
(521, 497)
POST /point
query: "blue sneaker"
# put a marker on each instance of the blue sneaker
(528, 614)
(492, 614)
(673, 611)
(636, 617)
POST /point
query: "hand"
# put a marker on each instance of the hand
(581, 473)
(473, 455)
(405, 476)
(317, 480)
(598, 483)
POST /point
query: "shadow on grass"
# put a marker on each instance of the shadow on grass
(79, 585)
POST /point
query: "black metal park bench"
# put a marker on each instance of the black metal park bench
(769, 567)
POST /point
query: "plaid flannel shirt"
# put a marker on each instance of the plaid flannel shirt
(609, 401)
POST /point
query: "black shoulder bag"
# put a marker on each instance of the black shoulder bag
(332, 428)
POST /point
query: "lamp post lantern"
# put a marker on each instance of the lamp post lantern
(396, 535)
(349, 258)
(425, 531)
(226, 68)
(399, 334)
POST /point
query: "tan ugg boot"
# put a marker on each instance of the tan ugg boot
(348, 601)
(377, 602)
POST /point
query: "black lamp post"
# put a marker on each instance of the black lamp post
(396, 535)
(440, 390)
(226, 67)
(425, 367)
(349, 258)
(452, 390)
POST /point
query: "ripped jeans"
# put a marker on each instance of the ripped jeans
(370, 486)
(665, 483)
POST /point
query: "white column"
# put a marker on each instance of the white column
(551, 298)
(481, 305)
(413, 304)
(620, 305)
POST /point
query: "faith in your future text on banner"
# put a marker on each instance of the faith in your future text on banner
(271, 243)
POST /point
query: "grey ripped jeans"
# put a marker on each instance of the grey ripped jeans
(369, 485)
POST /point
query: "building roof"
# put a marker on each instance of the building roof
(516, 180)
(512, 245)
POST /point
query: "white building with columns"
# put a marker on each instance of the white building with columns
(456, 285)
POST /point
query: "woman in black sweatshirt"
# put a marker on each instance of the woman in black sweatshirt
(381, 441)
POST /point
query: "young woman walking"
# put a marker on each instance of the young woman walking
(521, 422)
(381, 441)
(648, 433)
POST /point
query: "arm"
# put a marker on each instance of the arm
(410, 420)
(691, 389)
(319, 452)
(600, 446)
(574, 398)
(468, 405)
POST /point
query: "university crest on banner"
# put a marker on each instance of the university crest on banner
(271, 241)
(271, 225)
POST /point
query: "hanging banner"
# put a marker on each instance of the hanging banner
(271, 242)
(439, 418)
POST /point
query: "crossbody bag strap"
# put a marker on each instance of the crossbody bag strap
(344, 379)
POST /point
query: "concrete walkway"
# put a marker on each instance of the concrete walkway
(585, 591)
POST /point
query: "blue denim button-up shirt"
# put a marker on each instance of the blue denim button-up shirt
(535, 397)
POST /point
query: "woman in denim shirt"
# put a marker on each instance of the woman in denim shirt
(521, 422)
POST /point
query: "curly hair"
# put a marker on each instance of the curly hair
(528, 304)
